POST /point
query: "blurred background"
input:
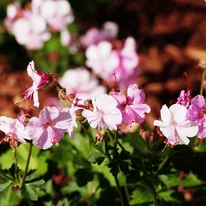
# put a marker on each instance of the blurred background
(170, 40)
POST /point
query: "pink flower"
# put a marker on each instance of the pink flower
(28, 27)
(39, 79)
(110, 30)
(13, 128)
(95, 36)
(197, 113)
(51, 126)
(105, 114)
(127, 70)
(102, 60)
(12, 11)
(31, 31)
(131, 106)
(174, 125)
(57, 13)
(79, 81)
(66, 38)
(184, 98)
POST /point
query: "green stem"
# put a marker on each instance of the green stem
(27, 164)
(119, 190)
(125, 187)
(16, 165)
(94, 144)
(163, 162)
(107, 151)
(202, 83)
(115, 176)
(115, 146)
(121, 146)
(127, 193)
(5, 175)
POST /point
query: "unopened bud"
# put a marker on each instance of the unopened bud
(71, 97)
(63, 98)
(144, 134)
(99, 136)
(14, 143)
(152, 138)
(79, 115)
(54, 79)
(89, 105)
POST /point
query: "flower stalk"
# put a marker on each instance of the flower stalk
(27, 164)
(202, 83)
(94, 144)
(16, 166)
(163, 162)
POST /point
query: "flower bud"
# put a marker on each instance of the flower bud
(144, 134)
(79, 116)
(54, 79)
(14, 143)
(99, 136)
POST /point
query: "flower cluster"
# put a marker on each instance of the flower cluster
(80, 81)
(80, 91)
(31, 27)
(105, 61)
(95, 36)
(34, 24)
(186, 118)
(103, 112)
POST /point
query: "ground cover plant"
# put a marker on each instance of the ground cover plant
(103, 103)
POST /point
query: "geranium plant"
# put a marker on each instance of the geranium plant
(90, 144)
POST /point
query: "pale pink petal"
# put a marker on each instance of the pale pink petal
(166, 115)
(179, 112)
(104, 49)
(94, 118)
(6, 123)
(188, 129)
(120, 98)
(110, 29)
(159, 123)
(109, 100)
(136, 96)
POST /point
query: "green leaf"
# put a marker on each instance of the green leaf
(96, 157)
(83, 176)
(73, 187)
(122, 179)
(114, 168)
(29, 192)
(63, 202)
(132, 177)
(170, 180)
(141, 195)
(8, 196)
(191, 181)
(4, 183)
(33, 179)
(124, 155)
(167, 196)
(31, 186)
(201, 147)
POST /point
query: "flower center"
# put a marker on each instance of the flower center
(47, 124)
